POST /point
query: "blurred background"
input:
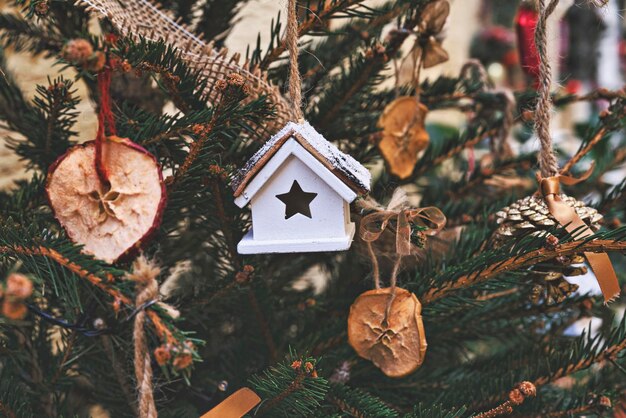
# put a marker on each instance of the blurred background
(586, 45)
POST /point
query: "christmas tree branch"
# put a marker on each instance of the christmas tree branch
(451, 153)
(204, 132)
(597, 137)
(613, 347)
(599, 94)
(516, 397)
(295, 385)
(291, 388)
(7, 411)
(315, 73)
(520, 261)
(226, 224)
(104, 284)
(118, 370)
(374, 59)
(329, 9)
(483, 176)
(609, 354)
(583, 410)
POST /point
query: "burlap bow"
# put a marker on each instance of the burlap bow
(550, 189)
(400, 217)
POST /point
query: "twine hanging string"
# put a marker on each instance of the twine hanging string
(106, 123)
(550, 180)
(548, 163)
(295, 82)
(144, 275)
(400, 219)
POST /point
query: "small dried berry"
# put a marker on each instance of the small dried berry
(162, 355)
(97, 61)
(552, 242)
(42, 8)
(528, 389)
(14, 310)
(182, 361)
(78, 51)
(308, 366)
(18, 286)
(516, 397)
(605, 402)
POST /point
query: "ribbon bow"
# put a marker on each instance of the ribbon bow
(401, 217)
(550, 189)
(428, 46)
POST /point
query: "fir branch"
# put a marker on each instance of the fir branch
(359, 404)
(313, 19)
(118, 370)
(265, 328)
(521, 261)
(610, 353)
(291, 388)
(195, 149)
(516, 397)
(22, 35)
(599, 94)
(451, 153)
(296, 384)
(104, 284)
(579, 410)
(480, 176)
(597, 137)
(8, 413)
(372, 61)
(585, 352)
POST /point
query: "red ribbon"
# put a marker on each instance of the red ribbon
(106, 121)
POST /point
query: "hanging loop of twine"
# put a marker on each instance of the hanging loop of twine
(400, 218)
(548, 163)
(295, 82)
(144, 275)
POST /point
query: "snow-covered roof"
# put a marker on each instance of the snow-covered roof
(343, 166)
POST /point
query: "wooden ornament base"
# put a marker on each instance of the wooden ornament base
(248, 245)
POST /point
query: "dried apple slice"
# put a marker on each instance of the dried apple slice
(109, 220)
(388, 330)
(404, 135)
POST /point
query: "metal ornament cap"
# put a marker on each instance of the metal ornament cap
(389, 335)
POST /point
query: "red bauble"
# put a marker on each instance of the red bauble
(525, 23)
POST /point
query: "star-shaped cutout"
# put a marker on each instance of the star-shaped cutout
(297, 201)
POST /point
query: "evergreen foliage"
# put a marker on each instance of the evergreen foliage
(247, 318)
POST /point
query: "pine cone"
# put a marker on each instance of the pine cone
(531, 215)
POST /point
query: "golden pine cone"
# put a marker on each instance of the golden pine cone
(531, 213)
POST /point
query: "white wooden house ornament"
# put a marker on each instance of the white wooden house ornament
(299, 187)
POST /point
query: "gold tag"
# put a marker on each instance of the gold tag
(235, 406)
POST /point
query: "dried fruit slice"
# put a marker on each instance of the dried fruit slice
(404, 135)
(394, 341)
(108, 220)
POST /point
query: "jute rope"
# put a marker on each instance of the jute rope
(548, 163)
(295, 82)
(144, 275)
